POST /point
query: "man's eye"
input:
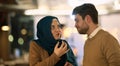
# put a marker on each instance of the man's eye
(76, 20)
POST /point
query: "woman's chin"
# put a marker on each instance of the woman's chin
(57, 38)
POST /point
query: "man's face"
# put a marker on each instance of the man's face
(80, 24)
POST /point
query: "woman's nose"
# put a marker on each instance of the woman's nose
(58, 29)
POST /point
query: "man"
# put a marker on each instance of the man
(101, 48)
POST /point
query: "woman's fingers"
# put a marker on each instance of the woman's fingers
(57, 45)
(62, 49)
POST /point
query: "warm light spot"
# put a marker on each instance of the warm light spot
(23, 31)
(5, 28)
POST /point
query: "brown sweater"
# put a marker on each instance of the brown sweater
(39, 57)
(101, 50)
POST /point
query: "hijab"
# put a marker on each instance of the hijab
(46, 39)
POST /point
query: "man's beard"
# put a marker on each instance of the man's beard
(83, 30)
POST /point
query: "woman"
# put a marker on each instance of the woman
(49, 49)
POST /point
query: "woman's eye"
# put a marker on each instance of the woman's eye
(52, 27)
(59, 26)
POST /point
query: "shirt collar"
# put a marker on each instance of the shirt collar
(94, 32)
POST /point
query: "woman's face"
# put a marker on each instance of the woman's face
(56, 29)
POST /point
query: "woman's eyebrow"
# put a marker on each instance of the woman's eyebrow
(52, 26)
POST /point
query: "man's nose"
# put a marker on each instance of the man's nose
(75, 25)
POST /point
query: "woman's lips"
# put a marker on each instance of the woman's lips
(58, 35)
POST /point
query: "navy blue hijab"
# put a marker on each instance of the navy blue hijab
(47, 41)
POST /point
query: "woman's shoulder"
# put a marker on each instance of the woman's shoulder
(34, 44)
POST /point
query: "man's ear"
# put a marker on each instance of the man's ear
(88, 18)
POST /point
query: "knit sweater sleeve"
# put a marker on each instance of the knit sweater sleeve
(38, 57)
(111, 50)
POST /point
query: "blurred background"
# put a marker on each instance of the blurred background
(18, 19)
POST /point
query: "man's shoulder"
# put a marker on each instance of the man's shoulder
(104, 33)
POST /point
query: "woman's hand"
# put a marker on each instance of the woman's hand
(59, 51)
(68, 64)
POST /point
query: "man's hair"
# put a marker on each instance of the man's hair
(87, 9)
